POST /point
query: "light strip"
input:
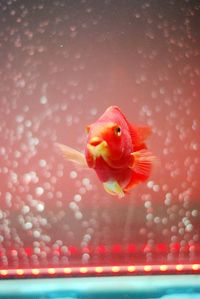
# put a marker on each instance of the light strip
(101, 270)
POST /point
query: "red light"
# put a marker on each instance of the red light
(101, 249)
(116, 248)
(131, 248)
(161, 247)
(73, 250)
(175, 247)
(28, 251)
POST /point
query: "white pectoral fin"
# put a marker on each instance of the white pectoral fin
(71, 154)
(142, 162)
(113, 188)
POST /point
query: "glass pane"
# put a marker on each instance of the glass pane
(63, 63)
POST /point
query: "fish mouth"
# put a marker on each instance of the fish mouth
(97, 148)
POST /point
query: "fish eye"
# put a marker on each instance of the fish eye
(118, 131)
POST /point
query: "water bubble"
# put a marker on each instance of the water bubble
(40, 207)
(42, 163)
(77, 197)
(73, 174)
(25, 209)
(78, 215)
(36, 234)
(43, 100)
(39, 191)
(28, 225)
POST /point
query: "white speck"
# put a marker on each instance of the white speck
(78, 215)
(27, 178)
(25, 209)
(28, 225)
(156, 188)
(189, 227)
(1, 215)
(150, 184)
(93, 111)
(46, 238)
(73, 174)
(73, 206)
(28, 123)
(86, 181)
(77, 197)
(85, 257)
(36, 234)
(39, 191)
(19, 118)
(42, 163)
(194, 213)
(43, 100)
(40, 207)
(147, 204)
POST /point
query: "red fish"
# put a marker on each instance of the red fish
(116, 150)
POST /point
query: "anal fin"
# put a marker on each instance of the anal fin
(113, 188)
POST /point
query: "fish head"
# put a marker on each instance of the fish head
(105, 140)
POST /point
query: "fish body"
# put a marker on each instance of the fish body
(116, 150)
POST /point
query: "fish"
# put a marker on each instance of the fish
(116, 150)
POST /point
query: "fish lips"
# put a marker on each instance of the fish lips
(97, 148)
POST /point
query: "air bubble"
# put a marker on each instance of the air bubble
(39, 191)
(73, 174)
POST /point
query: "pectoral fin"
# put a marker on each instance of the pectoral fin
(113, 188)
(71, 154)
(142, 162)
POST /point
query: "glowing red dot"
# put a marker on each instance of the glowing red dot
(161, 247)
(131, 248)
(116, 248)
(101, 249)
(73, 249)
